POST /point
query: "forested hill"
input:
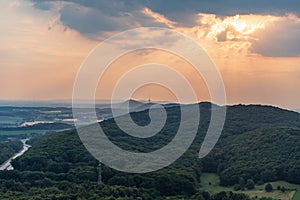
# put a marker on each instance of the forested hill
(243, 118)
(261, 143)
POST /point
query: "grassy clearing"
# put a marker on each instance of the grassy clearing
(210, 182)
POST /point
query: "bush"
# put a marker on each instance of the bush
(268, 187)
(236, 187)
(250, 184)
(278, 187)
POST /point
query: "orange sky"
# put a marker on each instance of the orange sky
(40, 56)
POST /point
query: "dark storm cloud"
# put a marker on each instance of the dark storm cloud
(185, 11)
(93, 17)
(227, 7)
(177, 10)
(221, 7)
(89, 21)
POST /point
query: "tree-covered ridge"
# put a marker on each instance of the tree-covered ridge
(243, 118)
(61, 156)
(91, 191)
(257, 142)
(262, 155)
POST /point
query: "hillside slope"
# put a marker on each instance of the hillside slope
(258, 142)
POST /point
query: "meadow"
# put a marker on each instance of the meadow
(211, 183)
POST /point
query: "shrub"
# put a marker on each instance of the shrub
(268, 187)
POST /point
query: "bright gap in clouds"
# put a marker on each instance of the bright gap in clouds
(232, 29)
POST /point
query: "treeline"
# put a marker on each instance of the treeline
(65, 190)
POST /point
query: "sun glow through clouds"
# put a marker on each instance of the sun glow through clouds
(237, 27)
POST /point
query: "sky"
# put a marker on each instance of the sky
(254, 44)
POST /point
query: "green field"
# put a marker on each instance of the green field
(297, 195)
(10, 120)
(9, 133)
(210, 182)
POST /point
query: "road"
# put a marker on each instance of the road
(7, 165)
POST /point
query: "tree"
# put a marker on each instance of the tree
(268, 187)
(220, 196)
(242, 183)
(250, 184)
(236, 187)
(278, 187)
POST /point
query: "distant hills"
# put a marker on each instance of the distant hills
(14, 114)
(67, 103)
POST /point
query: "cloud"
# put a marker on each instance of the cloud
(220, 7)
(93, 16)
(266, 35)
(229, 36)
(43, 43)
(280, 38)
(231, 28)
(159, 18)
(39, 57)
